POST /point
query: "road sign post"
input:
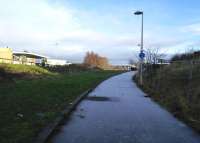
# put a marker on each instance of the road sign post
(141, 55)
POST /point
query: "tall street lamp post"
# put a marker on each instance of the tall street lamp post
(141, 55)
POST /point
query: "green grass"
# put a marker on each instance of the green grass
(173, 87)
(26, 106)
(12, 68)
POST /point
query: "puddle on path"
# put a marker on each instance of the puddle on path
(98, 98)
(102, 98)
(80, 116)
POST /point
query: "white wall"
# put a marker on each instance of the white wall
(54, 62)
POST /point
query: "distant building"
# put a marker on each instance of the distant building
(28, 58)
(57, 62)
(6, 55)
(126, 67)
(163, 61)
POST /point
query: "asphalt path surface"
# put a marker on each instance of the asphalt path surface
(117, 112)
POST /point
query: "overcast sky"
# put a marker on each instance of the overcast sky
(66, 29)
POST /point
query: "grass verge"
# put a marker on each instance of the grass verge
(27, 105)
(12, 68)
(177, 88)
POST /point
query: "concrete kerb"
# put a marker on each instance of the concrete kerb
(49, 129)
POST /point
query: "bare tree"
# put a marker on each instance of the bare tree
(153, 55)
(94, 60)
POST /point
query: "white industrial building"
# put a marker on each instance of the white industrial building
(57, 62)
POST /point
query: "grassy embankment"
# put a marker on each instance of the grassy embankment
(176, 87)
(31, 97)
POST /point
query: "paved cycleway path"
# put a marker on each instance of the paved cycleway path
(117, 112)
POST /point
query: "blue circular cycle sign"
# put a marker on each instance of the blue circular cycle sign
(142, 55)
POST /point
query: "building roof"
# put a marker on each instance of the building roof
(33, 55)
(5, 49)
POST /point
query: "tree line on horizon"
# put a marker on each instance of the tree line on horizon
(94, 60)
(186, 56)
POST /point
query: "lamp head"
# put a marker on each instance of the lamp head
(138, 12)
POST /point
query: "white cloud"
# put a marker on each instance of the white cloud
(28, 20)
(56, 30)
(192, 28)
